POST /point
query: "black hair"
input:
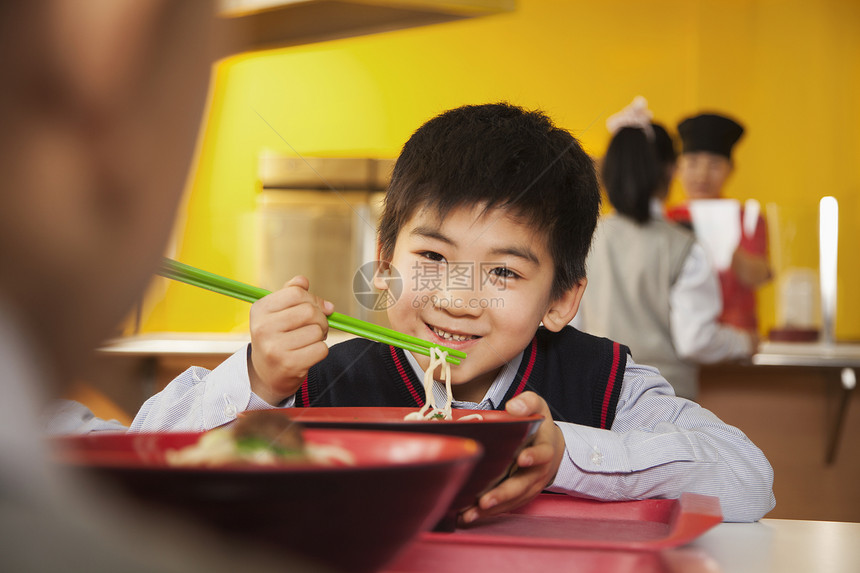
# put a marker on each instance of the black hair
(667, 154)
(636, 168)
(500, 156)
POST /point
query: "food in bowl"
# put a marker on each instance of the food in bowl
(258, 438)
(399, 484)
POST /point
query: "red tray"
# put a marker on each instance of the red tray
(431, 557)
(557, 530)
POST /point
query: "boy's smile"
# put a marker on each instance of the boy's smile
(476, 281)
(451, 337)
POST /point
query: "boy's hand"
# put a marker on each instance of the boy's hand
(537, 463)
(288, 331)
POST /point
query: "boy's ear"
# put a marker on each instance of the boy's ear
(381, 275)
(383, 270)
(562, 310)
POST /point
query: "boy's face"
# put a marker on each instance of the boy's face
(703, 174)
(475, 282)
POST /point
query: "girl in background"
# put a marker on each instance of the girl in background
(652, 285)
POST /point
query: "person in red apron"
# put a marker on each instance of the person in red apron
(704, 168)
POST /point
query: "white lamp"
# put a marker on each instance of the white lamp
(828, 237)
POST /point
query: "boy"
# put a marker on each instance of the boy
(489, 217)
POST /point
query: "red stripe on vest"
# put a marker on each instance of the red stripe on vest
(304, 395)
(405, 378)
(529, 367)
(610, 384)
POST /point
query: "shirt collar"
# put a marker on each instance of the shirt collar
(656, 209)
(495, 393)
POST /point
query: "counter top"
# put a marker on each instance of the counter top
(188, 343)
(839, 355)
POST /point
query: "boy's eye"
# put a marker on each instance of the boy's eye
(503, 273)
(433, 256)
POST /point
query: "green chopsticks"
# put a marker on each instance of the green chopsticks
(204, 279)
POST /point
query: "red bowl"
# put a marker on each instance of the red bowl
(501, 435)
(354, 518)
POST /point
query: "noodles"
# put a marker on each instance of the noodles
(429, 411)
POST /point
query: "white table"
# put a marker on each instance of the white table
(775, 546)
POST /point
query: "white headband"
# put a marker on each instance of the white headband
(636, 115)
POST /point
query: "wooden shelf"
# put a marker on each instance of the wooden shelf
(266, 24)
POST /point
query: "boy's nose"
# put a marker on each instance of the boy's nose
(458, 302)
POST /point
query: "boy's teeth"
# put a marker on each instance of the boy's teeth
(450, 336)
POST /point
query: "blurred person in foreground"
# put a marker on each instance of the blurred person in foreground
(658, 292)
(101, 103)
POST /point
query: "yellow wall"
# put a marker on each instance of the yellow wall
(787, 69)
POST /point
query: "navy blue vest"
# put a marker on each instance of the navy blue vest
(579, 376)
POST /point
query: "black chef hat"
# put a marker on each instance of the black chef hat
(710, 132)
